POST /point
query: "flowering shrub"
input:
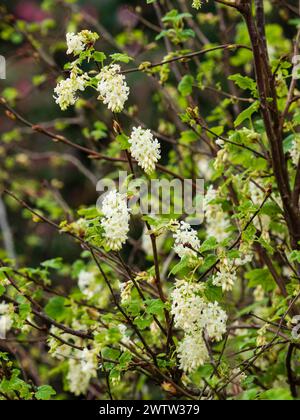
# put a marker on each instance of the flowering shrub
(98, 302)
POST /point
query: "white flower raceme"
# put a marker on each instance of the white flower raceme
(295, 150)
(257, 195)
(77, 42)
(116, 219)
(187, 242)
(217, 223)
(82, 368)
(57, 349)
(125, 291)
(125, 336)
(195, 316)
(113, 88)
(218, 227)
(87, 283)
(144, 148)
(205, 169)
(192, 352)
(6, 320)
(66, 90)
(245, 258)
(187, 305)
(226, 277)
(214, 320)
(259, 293)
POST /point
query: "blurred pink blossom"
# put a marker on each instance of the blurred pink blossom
(30, 11)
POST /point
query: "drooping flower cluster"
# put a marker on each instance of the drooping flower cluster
(58, 349)
(77, 42)
(187, 242)
(192, 352)
(116, 219)
(87, 283)
(226, 277)
(214, 321)
(82, 364)
(187, 305)
(112, 87)
(257, 194)
(295, 150)
(82, 368)
(67, 89)
(145, 149)
(217, 223)
(195, 316)
(6, 320)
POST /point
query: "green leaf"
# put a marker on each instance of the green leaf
(247, 113)
(55, 263)
(55, 308)
(45, 392)
(261, 277)
(24, 310)
(124, 141)
(278, 394)
(209, 244)
(213, 293)
(155, 307)
(182, 265)
(123, 58)
(243, 82)
(185, 87)
(99, 56)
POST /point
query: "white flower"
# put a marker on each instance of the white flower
(217, 223)
(144, 148)
(195, 316)
(220, 142)
(66, 90)
(89, 362)
(244, 259)
(123, 331)
(295, 150)
(192, 352)
(77, 42)
(257, 195)
(116, 219)
(57, 349)
(214, 321)
(113, 88)
(88, 285)
(82, 368)
(205, 168)
(226, 277)
(187, 242)
(259, 293)
(187, 305)
(6, 321)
